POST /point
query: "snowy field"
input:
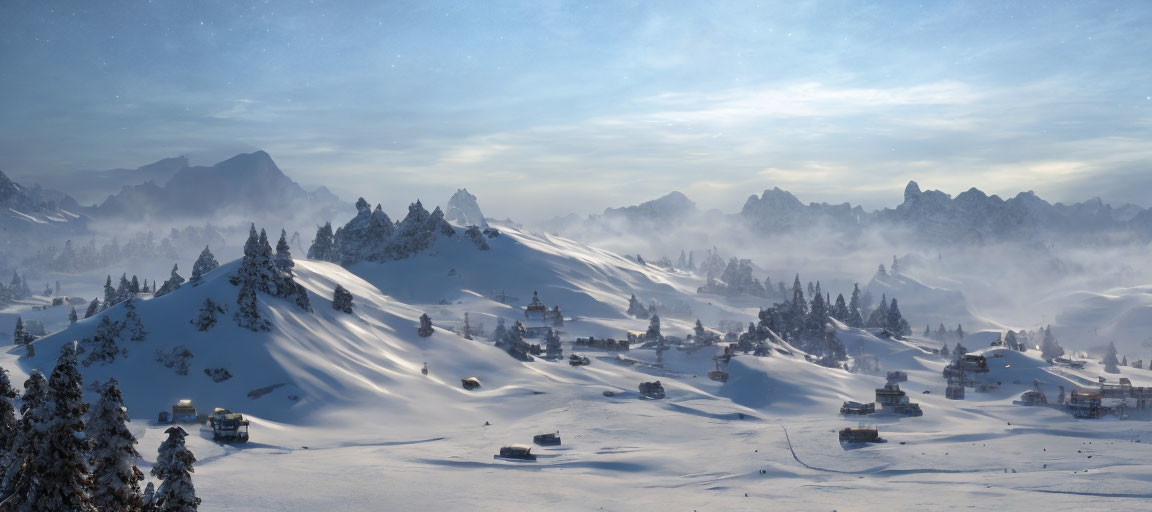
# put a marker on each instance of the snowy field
(343, 418)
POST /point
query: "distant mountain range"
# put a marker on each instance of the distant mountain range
(90, 186)
(932, 215)
(35, 209)
(247, 184)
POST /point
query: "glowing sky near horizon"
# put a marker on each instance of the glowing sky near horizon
(545, 107)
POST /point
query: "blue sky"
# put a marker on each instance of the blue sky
(545, 107)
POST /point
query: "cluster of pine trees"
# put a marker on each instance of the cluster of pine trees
(261, 271)
(15, 290)
(372, 236)
(55, 455)
(84, 257)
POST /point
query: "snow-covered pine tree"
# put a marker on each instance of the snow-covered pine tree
(283, 258)
(816, 319)
(115, 478)
(20, 336)
(653, 333)
(104, 346)
(467, 327)
(110, 297)
(879, 317)
(840, 310)
(174, 469)
(425, 329)
(93, 308)
(944, 350)
(72, 317)
(132, 321)
(206, 317)
(554, 349)
(927, 330)
(342, 299)
(324, 245)
(59, 474)
(855, 318)
(205, 263)
(960, 332)
(959, 351)
(500, 334)
(35, 413)
(1111, 361)
(896, 322)
(9, 426)
(174, 281)
(134, 285)
(698, 331)
(636, 308)
(247, 313)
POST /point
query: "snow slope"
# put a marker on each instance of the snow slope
(356, 426)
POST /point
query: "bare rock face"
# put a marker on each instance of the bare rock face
(464, 210)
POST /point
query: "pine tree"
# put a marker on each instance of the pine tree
(9, 426)
(342, 300)
(799, 308)
(323, 246)
(1050, 348)
(1111, 362)
(840, 310)
(134, 285)
(205, 263)
(115, 478)
(35, 413)
(425, 329)
(20, 335)
(653, 333)
(174, 468)
(960, 332)
(927, 330)
(247, 311)
(554, 349)
(960, 350)
(132, 321)
(93, 308)
(467, 327)
(104, 346)
(59, 473)
(109, 293)
(148, 500)
(283, 258)
(699, 331)
(174, 281)
(944, 350)
(72, 317)
(855, 318)
(896, 322)
(817, 318)
(206, 318)
(500, 334)
(879, 317)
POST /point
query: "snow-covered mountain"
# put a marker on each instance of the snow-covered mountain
(36, 212)
(246, 185)
(332, 394)
(463, 209)
(91, 186)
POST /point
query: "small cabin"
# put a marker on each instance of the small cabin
(1033, 397)
(576, 360)
(859, 435)
(549, 439)
(851, 408)
(516, 451)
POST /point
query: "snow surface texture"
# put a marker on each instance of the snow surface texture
(343, 418)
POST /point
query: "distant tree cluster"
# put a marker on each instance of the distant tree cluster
(372, 236)
(261, 271)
